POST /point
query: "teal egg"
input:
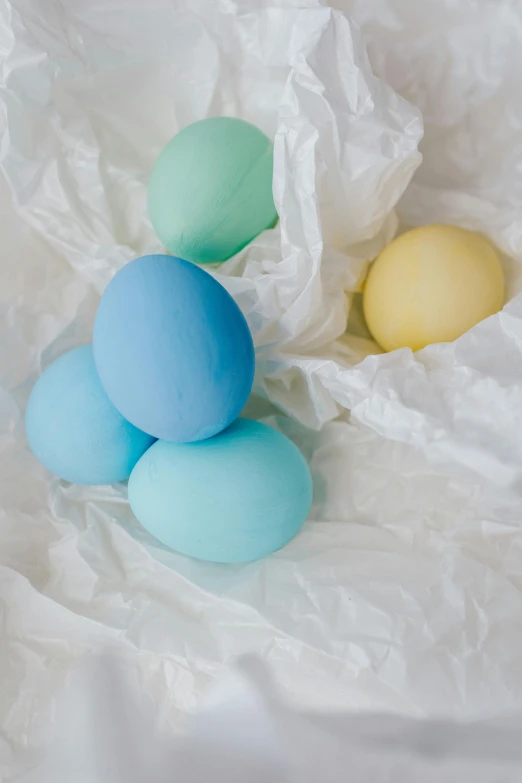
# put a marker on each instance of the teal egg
(74, 430)
(210, 192)
(233, 498)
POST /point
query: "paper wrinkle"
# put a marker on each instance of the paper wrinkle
(403, 592)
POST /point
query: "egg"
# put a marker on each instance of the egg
(431, 285)
(74, 430)
(234, 498)
(173, 350)
(210, 192)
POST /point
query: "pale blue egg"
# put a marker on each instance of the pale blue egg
(74, 430)
(172, 349)
(233, 498)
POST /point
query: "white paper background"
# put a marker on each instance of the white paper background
(106, 731)
(403, 591)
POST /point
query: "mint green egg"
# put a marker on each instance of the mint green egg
(210, 192)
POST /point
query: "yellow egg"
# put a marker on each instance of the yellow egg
(431, 285)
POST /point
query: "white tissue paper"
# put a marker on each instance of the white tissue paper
(403, 591)
(108, 733)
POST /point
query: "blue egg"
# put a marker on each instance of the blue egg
(172, 349)
(74, 430)
(234, 498)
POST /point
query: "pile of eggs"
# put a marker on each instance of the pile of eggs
(156, 398)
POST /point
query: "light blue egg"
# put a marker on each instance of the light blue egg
(234, 498)
(74, 430)
(172, 349)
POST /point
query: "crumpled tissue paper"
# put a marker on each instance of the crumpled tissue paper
(403, 591)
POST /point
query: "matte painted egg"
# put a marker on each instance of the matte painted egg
(74, 430)
(210, 192)
(430, 285)
(234, 498)
(173, 350)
